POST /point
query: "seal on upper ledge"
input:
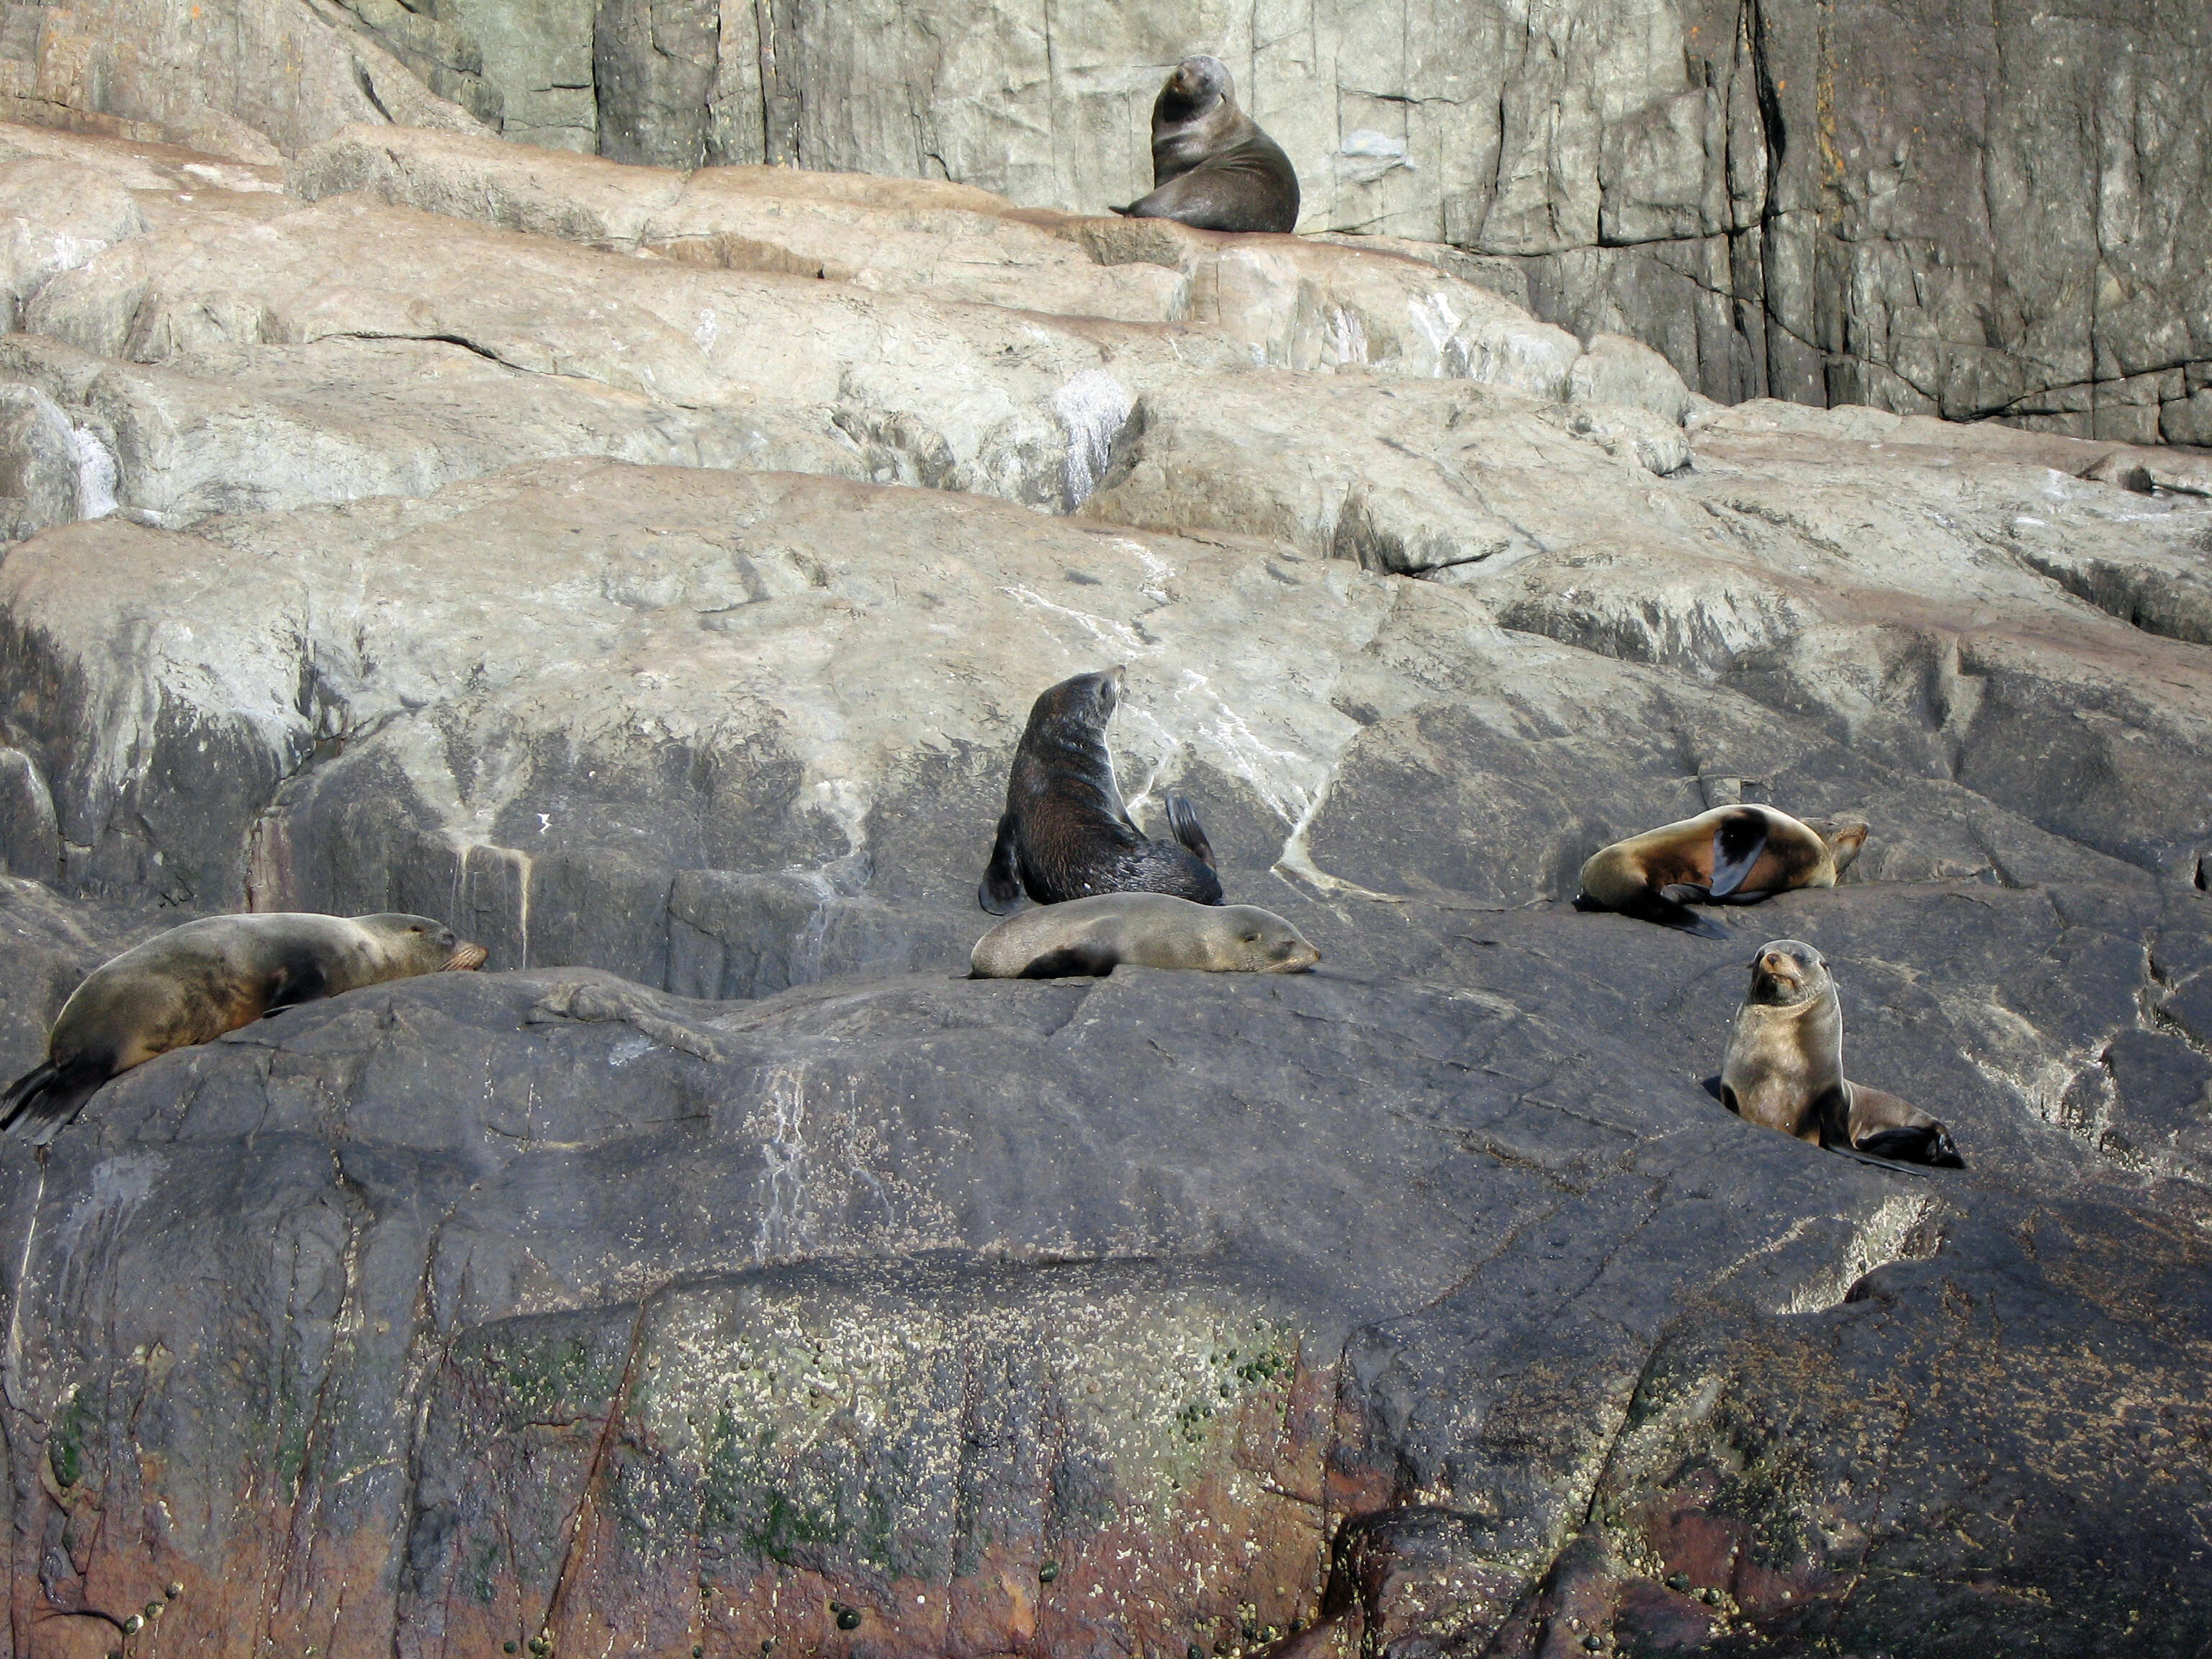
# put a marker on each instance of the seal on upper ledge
(1732, 855)
(1212, 168)
(1785, 1067)
(193, 983)
(1145, 930)
(1065, 833)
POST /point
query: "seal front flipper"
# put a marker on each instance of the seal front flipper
(1182, 820)
(1084, 961)
(295, 982)
(1670, 913)
(1737, 843)
(1001, 888)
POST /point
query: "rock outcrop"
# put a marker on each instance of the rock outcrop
(1954, 210)
(650, 574)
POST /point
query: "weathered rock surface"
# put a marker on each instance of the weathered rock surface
(534, 543)
(252, 80)
(1967, 211)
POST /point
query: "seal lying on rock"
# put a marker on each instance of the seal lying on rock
(1145, 930)
(1733, 854)
(1065, 833)
(1785, 1067)
(194, 982)
(1211, 165)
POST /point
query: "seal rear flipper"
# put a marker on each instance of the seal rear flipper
(1001, 888)
(1670, 913)
(1182, 820)
(1883, 1125)
(26, 1092)
(1737, 844)
(44, 1099)
(1930, 1144)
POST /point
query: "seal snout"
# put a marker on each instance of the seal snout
(466, 956)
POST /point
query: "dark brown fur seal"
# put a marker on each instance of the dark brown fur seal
(1785, 1067)
(194, 982)
(1145, 930)
(1211, 165)
(1065, 833)
(1732, 856)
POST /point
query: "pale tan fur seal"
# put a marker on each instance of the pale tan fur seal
(1143, 930)
(1732, 855)
(1212, 167)
(1785, 1067)
(194, 982)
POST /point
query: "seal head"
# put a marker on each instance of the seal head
(1788, 973)
(1065, 833)
(1212, 167)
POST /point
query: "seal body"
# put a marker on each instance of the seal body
(193, 983)
(1785, 1067)
(1730, 855)
(1211, 165)
(1145, 930)
(1065, 834)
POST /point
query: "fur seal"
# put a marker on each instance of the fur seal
(1212, 167)
(1145, 930)
(1785, 1067)
(1732, 855)
(1065, 833)
(193, 983)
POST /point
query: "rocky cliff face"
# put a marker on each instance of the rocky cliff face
(1960, 211)
(650, 574)
(1966, 210)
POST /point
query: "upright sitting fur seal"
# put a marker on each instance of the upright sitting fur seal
(1145, 930)
(1211, 165)
(1785, 1067)
(1065, 833)
(1732, 855)
(194, 982)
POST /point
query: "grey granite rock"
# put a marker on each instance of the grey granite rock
(650, 575)
(1960, 209)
